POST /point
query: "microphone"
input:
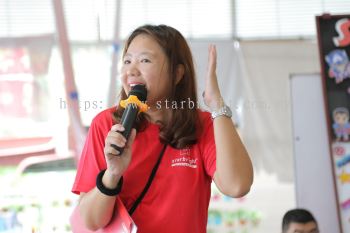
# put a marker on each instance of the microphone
(133, 105)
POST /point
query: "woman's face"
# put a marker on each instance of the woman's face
(146, 63)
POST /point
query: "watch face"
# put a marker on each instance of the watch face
(224, 111)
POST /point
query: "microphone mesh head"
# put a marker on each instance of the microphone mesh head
(140, 91)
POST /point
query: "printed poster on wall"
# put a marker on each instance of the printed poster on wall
(334, 48)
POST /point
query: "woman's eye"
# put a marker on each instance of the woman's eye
(126, 62)
(145, 60)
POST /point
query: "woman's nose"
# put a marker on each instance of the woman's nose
(132, 70)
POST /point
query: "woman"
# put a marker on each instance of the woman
(199, 149)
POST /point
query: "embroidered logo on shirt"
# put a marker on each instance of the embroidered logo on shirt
(185, 152)
(184, 160)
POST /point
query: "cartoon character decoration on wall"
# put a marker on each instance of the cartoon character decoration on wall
(341, 125)
(339, 65)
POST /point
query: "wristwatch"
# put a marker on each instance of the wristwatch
(223, 111)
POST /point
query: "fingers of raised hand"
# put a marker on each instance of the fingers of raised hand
(212, 57)
(211, 79)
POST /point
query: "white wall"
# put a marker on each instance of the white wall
(259, 71)
(267, 131)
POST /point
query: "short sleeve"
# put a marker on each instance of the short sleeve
(207, 144)
(92, 159)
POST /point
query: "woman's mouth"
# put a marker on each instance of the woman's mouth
(135, 84)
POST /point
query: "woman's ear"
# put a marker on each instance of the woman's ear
(180, 71)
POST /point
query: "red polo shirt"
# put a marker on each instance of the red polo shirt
(178, 199)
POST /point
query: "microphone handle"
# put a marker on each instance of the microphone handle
(127, 121)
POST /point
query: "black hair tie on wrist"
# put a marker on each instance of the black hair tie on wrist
(107, 191)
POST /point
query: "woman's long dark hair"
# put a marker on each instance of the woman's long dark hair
(179, 126)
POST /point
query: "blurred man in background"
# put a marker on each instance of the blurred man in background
(299, 221)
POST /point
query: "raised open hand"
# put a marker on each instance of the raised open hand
(212, 96)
